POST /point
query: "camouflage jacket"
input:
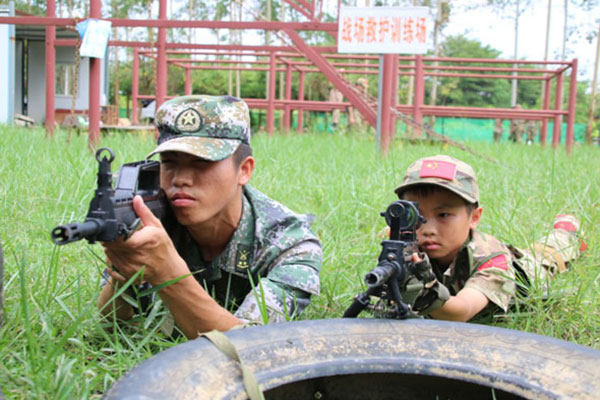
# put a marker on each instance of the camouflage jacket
(272, 250)
(517, 126)
(484, 264)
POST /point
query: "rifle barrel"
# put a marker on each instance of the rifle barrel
(75, 231)
(379, 275)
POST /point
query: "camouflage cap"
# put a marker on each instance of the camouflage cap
(209, 127)
(444, 171)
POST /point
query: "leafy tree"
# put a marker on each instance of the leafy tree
(64, 8)
(474, 92)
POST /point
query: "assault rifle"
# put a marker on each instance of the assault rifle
(111, 213)
(395, 268)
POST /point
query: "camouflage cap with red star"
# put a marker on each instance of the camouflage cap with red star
(208, 127)
(443, 171)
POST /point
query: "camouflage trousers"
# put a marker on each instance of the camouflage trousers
(547, 257)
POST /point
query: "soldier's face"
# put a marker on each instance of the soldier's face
(448, 224)
(201, 191)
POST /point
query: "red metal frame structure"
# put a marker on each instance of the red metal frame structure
(301, 58)
(420, 70)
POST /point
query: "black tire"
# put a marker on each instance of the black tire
(371, 359)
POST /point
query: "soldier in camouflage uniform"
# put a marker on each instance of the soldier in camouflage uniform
(530, 131)
(247, 250)
(474, 271)
(498, 129)
(354, 117)
(335, 96)
(517, 128)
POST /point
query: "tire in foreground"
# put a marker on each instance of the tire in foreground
(374, 359)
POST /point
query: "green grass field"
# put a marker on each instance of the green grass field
(52, 345)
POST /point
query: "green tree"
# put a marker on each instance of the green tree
(473, 92)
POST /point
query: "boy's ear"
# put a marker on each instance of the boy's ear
(475, 217)
(246, 169)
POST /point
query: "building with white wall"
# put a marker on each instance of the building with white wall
(23, 76)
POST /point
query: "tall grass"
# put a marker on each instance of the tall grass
(52, 344)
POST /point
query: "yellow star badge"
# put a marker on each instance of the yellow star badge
(189, 120)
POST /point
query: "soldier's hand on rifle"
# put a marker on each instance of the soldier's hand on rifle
(150, 246)
(434, 294)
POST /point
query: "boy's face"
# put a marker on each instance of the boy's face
(448, 223)
(198, 190)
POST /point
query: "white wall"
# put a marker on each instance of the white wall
(7, 68)
(37, 81)
(67, 55)
(36, 78)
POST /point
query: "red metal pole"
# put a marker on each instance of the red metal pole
(557, 107)
(301, 98)
(95, 73)
(419, 93)
(386, 101)
(50, 69)
(271, 96)
(161, 62)
(172, 23)
(135, 81)
(188, 82)
(545, 106)
(572, 101)
(394, 89)
(288, 96)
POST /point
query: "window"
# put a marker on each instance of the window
(65, 73)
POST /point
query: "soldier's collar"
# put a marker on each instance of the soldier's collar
(244, 233)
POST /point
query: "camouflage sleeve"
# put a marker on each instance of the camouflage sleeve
(286, 289)
(495, 278)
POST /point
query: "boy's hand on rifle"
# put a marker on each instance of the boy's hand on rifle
(149, 246)
(423, 270)
(434, 294)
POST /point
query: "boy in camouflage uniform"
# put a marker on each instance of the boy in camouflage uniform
(473, 270)
(229, 236)
(498, 129)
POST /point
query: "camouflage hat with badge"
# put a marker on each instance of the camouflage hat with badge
(208, 127)
(443, 171)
